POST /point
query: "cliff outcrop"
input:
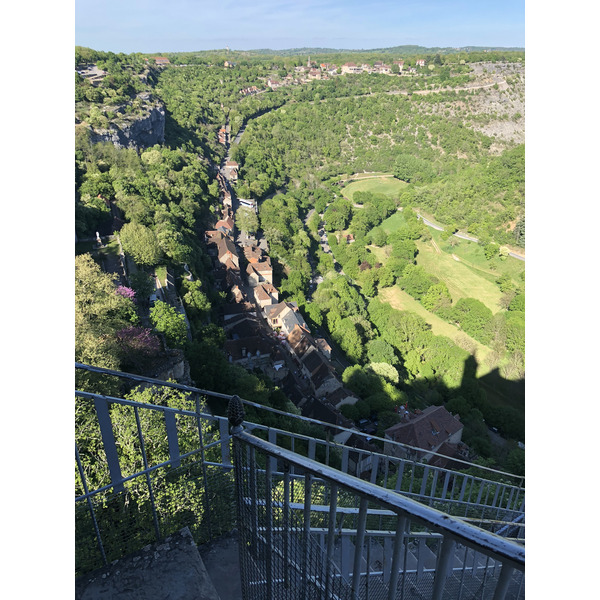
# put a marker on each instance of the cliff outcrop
(134, 131)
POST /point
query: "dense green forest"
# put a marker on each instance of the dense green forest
(298, 143)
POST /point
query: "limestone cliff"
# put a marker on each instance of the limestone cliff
(129, 131)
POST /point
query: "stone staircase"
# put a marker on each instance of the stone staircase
(175, 569)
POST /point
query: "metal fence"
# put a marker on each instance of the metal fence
(320, 533)
(144, 470)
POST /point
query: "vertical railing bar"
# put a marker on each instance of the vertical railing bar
(345, 457)
(292, 466)
(403, 589)
(286, 523)
(471, 490)
(305, 541)
(203, 458)
(109, 444)
(462, 576)
(400, 476)
(172, 441)
(463, 488)
(485, 576)
(148, 480)
(495, 499)
(254, 497)
(311, 448)
(368, 566)
(412, 476)
(385, 472)
(330, 536)
(90, 505)
(269, 528)
(445, 488)
(360, 538)
(510, 497)
(424, 481)
(441, 567)
(224, 434)
(433, 485)
(272, 440)
(374, 468)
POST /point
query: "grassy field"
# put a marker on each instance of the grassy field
(462, 267)
(461, 280)
(379, 185)
(400, 300)
(393, 223)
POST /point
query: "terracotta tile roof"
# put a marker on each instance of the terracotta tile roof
(426, 430)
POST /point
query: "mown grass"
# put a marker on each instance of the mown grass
(400, 300)
(461, 280)
(393, 223)
(380, 185)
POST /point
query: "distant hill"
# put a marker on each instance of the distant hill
(405, 50)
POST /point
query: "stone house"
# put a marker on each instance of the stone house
(428, 429)
(284, 316)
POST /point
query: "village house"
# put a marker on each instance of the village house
(351, 67)
(249, 352)
(341, 396)
(420, 62)
(400, 64)
(284, 316)
(259, 272)
(231, 169)
(225, 226)
(232, 311)
(227, 253)
(428, 429)
(161, 60)
(266, 294)
(253, 254)
(323, 347)
(299, 341)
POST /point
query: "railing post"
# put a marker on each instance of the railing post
(330, 537)
(441, 568)
(358, 547)
(503, 581)
(236, 418)
(398, 543)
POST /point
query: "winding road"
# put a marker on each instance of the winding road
(462, 236)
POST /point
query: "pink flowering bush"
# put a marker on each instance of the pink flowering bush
(126, 292)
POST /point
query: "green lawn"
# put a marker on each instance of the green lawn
(393, 223)
(472, 255)
(461, 280)
(380, 185)
(400, 300)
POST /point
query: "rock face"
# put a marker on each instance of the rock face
(141, 132)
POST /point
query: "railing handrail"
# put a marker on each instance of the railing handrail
(519, 479)
(463, 532)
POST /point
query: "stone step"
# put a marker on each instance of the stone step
(170, 569)
(221, 558)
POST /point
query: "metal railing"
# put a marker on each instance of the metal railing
(132, 490)
(327, 534)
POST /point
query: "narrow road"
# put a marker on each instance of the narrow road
(462, 236)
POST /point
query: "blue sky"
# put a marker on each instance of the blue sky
(188, 25)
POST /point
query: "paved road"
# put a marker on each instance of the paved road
(463, 236)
